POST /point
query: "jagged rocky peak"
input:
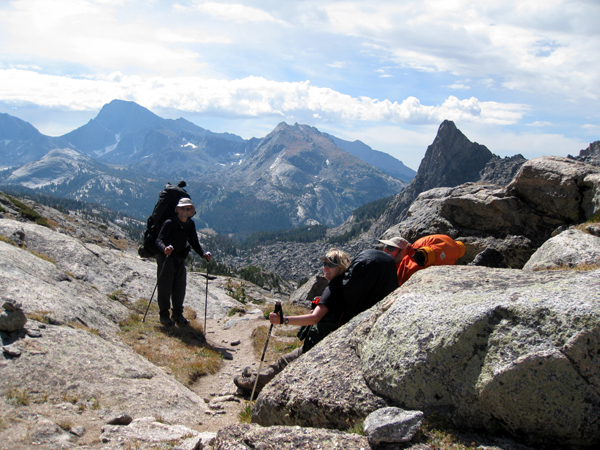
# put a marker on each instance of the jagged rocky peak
(590, 155)
(452, 159)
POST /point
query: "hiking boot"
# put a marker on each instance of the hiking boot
(246, 384)
(181, 321)
(167, 322)
(246, 380)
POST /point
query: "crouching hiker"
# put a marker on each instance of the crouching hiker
(323, 319)
(434, 250)
(172, 241)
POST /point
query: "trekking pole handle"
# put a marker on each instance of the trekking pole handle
(279, 310)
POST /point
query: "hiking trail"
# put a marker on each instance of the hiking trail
(218, 389)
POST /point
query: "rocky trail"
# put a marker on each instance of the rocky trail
(232, 338)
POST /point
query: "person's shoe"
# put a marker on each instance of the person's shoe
(247, 372)
(167, 322)
(181, 321)
(246, 384)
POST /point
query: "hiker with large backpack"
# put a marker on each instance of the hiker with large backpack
(322, 320)
(164, 209)
(370, 277)
(172, 245)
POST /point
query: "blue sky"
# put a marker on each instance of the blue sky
(516, 76)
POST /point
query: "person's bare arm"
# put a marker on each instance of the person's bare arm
(307, 319)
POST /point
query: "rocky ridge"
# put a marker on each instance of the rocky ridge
(546, 196)
(295, 175)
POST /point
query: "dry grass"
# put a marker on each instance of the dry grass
(578, 268)
(283, 337)
(43, 316)
(280, 342)
(19, 397)
(183, 350)
(121, 244)
(80, 326)
(440, 437)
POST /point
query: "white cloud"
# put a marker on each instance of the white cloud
(84, 32)
(236, 12)
(459, 86)
(591, 127)
(251, 96)
(531, 46)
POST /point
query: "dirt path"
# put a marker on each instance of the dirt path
(232, 338)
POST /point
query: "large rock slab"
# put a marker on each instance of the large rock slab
(493, 349)
(496, 349)
(557, 187)
(43, 289)
(481, 216)
(570, 249)
(86, 273)
(324, 388)
(243, 437)
(69, 363)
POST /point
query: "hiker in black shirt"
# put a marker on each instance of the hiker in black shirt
(323, 319)
(172, 242)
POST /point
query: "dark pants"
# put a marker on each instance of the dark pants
(171, 285)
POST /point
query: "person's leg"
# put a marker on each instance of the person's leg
(178, 292)
(164, 288)
(281, 363)
(246, 381)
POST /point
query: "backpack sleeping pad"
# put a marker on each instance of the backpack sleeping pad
(164, 208)
(370, 277)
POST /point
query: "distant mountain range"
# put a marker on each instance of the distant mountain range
(294, 176)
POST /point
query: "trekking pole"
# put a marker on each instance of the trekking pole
(158, 278)
(206, 299)
(279, 311)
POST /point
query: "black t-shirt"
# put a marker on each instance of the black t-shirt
(333, 299)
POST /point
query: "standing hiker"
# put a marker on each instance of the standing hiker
(434, 250)
(171, 242)
(323, 319)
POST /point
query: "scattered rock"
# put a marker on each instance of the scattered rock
(12, 318)
(78, 430)
(392, 425)
(120, 419)
(11, 351)
(146, 430)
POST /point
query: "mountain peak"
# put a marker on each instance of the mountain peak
(120, 116)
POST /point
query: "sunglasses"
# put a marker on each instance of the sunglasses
(329, 264)
(390, 248)
(186, 208)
